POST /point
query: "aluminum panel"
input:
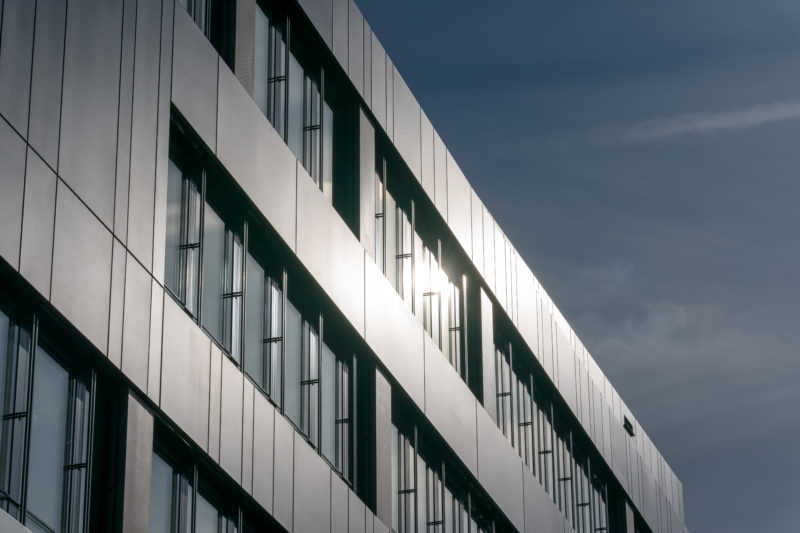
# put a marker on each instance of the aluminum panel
(459, 205)
(36, 253)
(450, 406)
(477, 231)
(138, 466)
(355, 63)
(394, 333)
(378, 75)
(440, 174)
(16, 47)
(185, 364)
(500, 266)
(283, 488)
(356, 515)
(339, 505)
(384, 493)
(256, 156)
(488, 248)
(366, 178)
(339, 37)
(541, 514)
(406, 132)
(136, 323)
(81, 284)
(87, 151)
(124, 121)
(215, 402)
(230, 426)
(144, 123)
(566, 370)
(12, 184)
(367, 63)
(48, 64)
(194, 78)
(487, 356)
(154, 355)
(389, 98)
(320, 13)
(500, 470)
(118, 261)
(312, 489)
(619, 453)
(263, 434)
(526, 295)
(427, 176)
(247, 436)
(322, 235)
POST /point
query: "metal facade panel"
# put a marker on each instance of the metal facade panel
(87, 151)
(440, 174)
(427, 177)
(312, 489)
(527, 320)
(36, 249)
(500, 470)
(355, 63)
(378, 62)
(136, 323)
(501, 278)
(356, 515)
(366, 178)
(263, 445)
(487, 355)
(118, 262)
(339, 504)
(340, 37)
(450, 406)
(566, 370)
(247, 436)
(384, 493)
(255, 155)
(194, 78)
(185, 368)
(16, 46)
(488, 249)
(394, 333)
(406, 124)
(48, 64)
(320, 12)
(389, 97)
(541, 515)
(477, 231)
(283, 487)
(81, 285)
(367, 64)
(322, 235)
(230, 425)
(12, 185)
(124, 121)
(459, 205)
(154, 356)
(138, 466)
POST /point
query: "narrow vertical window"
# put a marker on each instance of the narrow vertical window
(380, 223)
(404, 508)
(504, 395)
(326, 181)
(312, 124)
(269, 90)
(453, 345)
(294, 350)
(524, 415)
(403, 257)
(309, 382)
(295, 119)
(182, 258)
(328, 403)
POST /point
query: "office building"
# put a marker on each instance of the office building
(244, 286)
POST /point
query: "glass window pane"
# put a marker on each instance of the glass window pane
(172, 259)
(293, 363)
(213, 269)
(295, 139)
(327, 152)
(254, 322)
(160, 496)
(328, 384)
(261, 55)
(48, 431)
(275, 334)
(207, 517)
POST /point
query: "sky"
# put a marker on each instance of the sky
(644, 158)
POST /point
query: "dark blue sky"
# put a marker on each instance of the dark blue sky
(644, 157)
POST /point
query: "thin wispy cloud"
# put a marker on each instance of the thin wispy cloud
(703, 123)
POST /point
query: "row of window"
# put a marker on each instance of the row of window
(526, 418)
(232, 288)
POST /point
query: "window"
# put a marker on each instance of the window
(57, 448)
(184, 208)
(524, 410)
(599, 504)
(335, 414)
(429, 282)
(505, 401)
(264, 330)
(565, 473)
(453, 346)
(404, 478)
(309, 382)
(269, 88)
(545, 429)
(403, 255)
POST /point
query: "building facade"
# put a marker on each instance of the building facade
(244, 286)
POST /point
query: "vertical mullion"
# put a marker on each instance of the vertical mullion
(33, 341)
(193, 518)
(286, 87)
(319, 384)
(90, 451)
(200, 232)
(413, 259)
(284, 298)
(415, 463)
(320, 137)
(511, 383)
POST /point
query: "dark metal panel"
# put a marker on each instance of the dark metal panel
(541, 514)
(440, 174)
(320, 12)
(378, 75)
(36, 253)
(312, 489)
(136, 324)
(394, 333)
(339, 505)
(339, 37)
(283, 489)
(367, 64)
(16, 47)
(450, 406)
(185, 362)
(263, 435)
(257, 158)
(459, 210)
(230, 427)
(487, 360)
(245, 43)
(477, 231)
(81, 284)
(500, 470)
(194, 78)
(356, 515)
(138, 467)
(48, 64)
(322, 235)
(355, 63)
(87, 151)
(406, 124)
(247, 437)
(144, 124)
(384, 492)
(427, 176)
(366, 173)
(154, 351)
(118, 261)
(124, 121)
(12, 185)
(215, 402)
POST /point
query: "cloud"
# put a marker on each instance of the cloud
(701, 123)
